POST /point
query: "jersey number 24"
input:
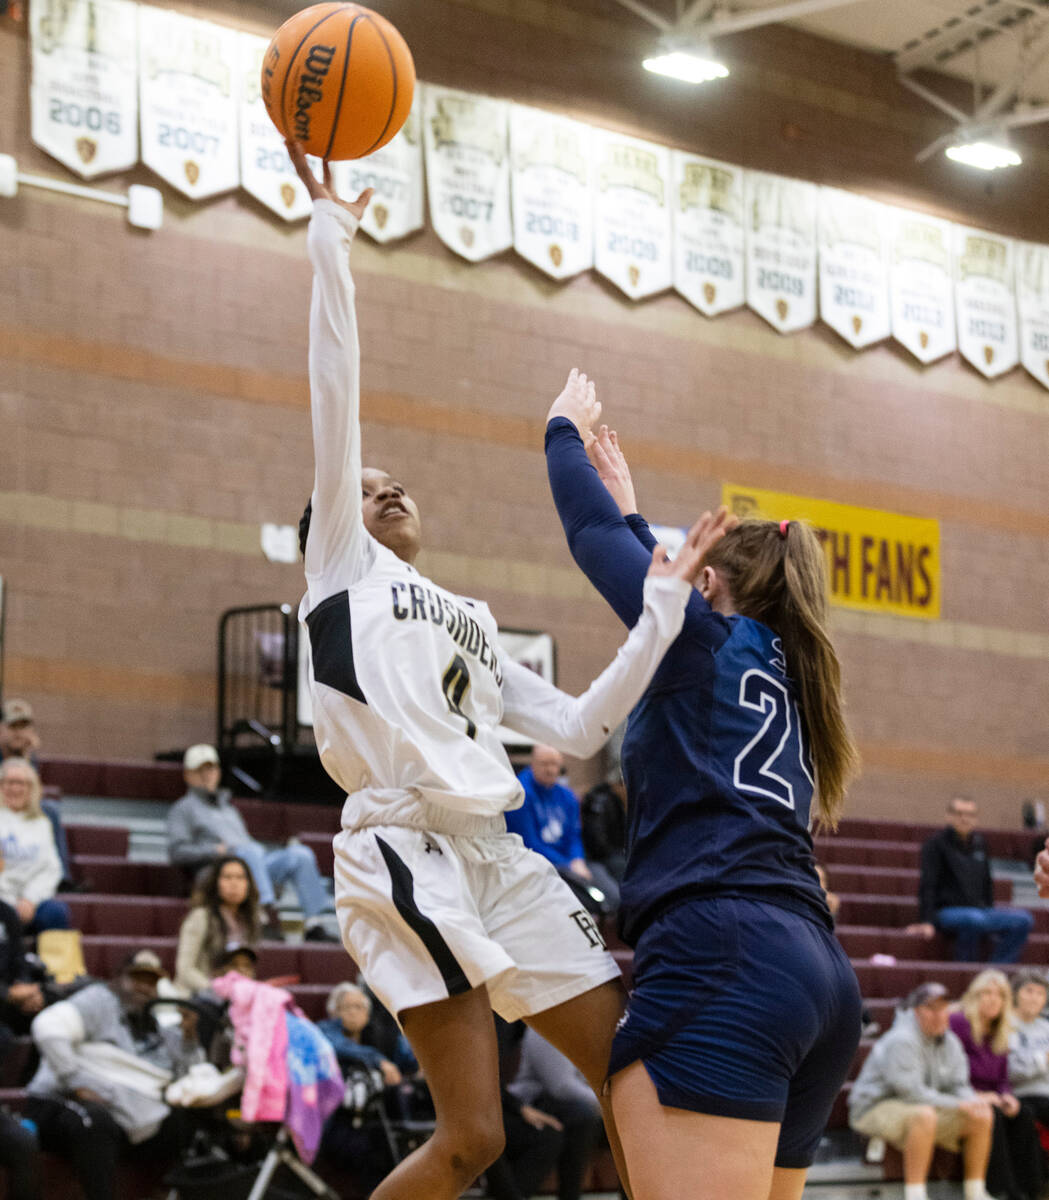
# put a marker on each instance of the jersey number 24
(779, 743)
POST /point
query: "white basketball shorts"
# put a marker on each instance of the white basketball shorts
(431, 915)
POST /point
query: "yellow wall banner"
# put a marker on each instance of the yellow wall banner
(876, 561)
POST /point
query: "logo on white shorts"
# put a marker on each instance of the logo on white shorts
(590, 931)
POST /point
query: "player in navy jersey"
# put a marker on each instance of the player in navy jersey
(746, 1013)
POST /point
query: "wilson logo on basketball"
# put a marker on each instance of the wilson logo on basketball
(310, 90)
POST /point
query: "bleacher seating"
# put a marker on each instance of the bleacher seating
(872, 865)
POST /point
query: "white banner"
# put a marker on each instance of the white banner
(468, 171)
(84, 94)
(921, 285)
(188, 75)
(265, 169)
(396, 174)
(633, 236)
(708, 232)
(854, 267)
(985, 301)
(1032, 297)
(781, 250)
(550, 182)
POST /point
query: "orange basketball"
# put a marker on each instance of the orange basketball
(338, 78)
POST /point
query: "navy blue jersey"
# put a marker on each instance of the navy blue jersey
(718, 773)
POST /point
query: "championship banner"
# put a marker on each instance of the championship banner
(781, 250)
(396, 174)
(84, 93)
(921, 285)
(876, 561)
(632, 222)
(1032, 297)
(708, 232)
(985, 301)
(265, 168)
(550, 184)
(854, 267)
(468, 171)
(188, 77)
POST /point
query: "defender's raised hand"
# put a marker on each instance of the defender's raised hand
(610, 463)
(578, 402)
(324, 189)
(702, 537)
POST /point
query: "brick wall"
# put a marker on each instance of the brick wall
(153, 408)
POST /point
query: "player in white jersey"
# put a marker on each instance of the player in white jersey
(446, 914)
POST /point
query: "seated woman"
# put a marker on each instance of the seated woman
(225, 914)
(349, 1029)
(983, 1020)
(1029, 1043)
(31, 869)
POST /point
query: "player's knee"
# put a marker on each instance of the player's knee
(477, 1143)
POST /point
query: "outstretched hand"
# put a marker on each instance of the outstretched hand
(578, 402)
(610, 463)
(324, 189)
(701, 539)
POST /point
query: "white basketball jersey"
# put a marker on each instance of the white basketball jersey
(408, 683)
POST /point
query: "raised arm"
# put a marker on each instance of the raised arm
(336, 536)
(581, 725)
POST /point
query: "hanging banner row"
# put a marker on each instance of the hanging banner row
(566, 196)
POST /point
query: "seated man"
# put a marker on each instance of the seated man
(204, 826)
(914, 1093)
(104, 1063)
(548, 822)
(956, 895)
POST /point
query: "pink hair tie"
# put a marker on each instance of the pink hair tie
(783, 527)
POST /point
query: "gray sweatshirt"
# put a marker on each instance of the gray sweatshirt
(199, 822)
(907, 1065)
(1029, 1057)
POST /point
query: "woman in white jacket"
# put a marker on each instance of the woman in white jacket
(31, 869)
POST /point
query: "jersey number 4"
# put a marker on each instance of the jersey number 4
(779, 740)
(455, 684)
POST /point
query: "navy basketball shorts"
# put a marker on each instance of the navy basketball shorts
(743, 1009)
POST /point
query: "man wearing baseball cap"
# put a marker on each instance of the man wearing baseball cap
(914, 1093)
(86, 1108)
(18, 735)
(204, 825)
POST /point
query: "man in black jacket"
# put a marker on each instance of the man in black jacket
(956, 896)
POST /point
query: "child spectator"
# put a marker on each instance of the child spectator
(1029, 1044)
(982, 1021)
(31, 868)
(225, 914)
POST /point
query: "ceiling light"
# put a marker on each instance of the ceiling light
(985, 155)
(690, 66)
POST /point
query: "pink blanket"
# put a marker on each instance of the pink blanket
(260, 1044)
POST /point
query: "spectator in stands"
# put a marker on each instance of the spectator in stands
(19, 739)
(349, 1029)
(224, 914)
(21, 996)
(982, 1021)
(31, 869)
(204, 826)
(604, 824)
(103, 1064)
(243, 960)
(914, 1093)
(956, 895)
(1029, 1043)
(551, 1083)
(549, 823)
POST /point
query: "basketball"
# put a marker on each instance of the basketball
(339, 78)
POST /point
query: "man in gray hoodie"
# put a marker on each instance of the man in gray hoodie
(914, 1093)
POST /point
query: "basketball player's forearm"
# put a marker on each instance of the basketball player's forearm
(601, 541)
(334, 359)
(581, 725)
